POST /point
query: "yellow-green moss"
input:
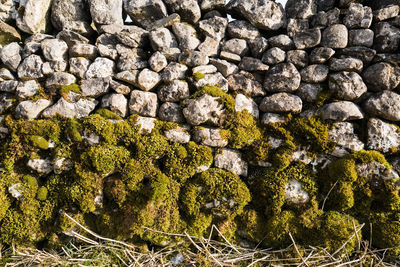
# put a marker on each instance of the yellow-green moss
(108, 114)
(42, 193)
(65, 89)
(73, 132)
(39, 142)
(106, 159)
(198, 76)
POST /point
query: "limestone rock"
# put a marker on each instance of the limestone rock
(58, 79)
(252, 64)
(10, 55)
(358, 16)
(382, 76)
(236, 46)
(299, 58)
(347, 85)
(245, 82)
(101, 68)
(148, 79)
(215, 79)
(117, 103)
(385, 104)
(258, 46)
(193, 58)
(8, 33)
(335, 36)
(321, 55)
(341, 111)
(169, 111)
(361, 37)
(382, 136)
(84, 50)
(162, 38)
(387, 12)
(204, 110)
(78, 109)
(283, 77)
(174, 91)
(224, 67)
(346, 64)
(316, 73)
(62, 165)
(78, 66)
(27, 89)
(31, 109)
(63, 12)
(143, 103)
(30, 68)
(157, 62)
(268, 118)
(214, 27)
(302, 9)
(231, 160)
(342, 133)
(178, 135)
(146, 125)
(242, 29)
(282, 41)
(95, 87)
(307, 38)
(33, 18)
(145, 12)
(309, 92)
(242, 102)
(281, 102)
(274, 56)
(295, 194)
(106, 12)
(174, 71)
(189, 10)
(209, 137)
(42, 166)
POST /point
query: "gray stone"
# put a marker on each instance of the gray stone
(10, 55)
(32, 15)
(224, 67)
(132, 36)
(341, 111)
(363, 53)
(346, 64)
(143, 103)
(308, 92)
(335, 36)
(6, 101)
(342, 133)
(8, 86)
(299, 58)
(62, 165)
(174, 91)
(385, 105)
(214, 79)
(5, 74)
(191, 43)
(78, 66)
(171, 112)
(101, 68)
(42, 166)
(174, 71)
(95, 87)
(321, 55)
(347, 85)
(209, 137)
(27, 89)
(242, 29)
(148, 79)
(7, 9)
(282, 41)
(78, 109)
(178, 135)
(274, 56)
(117, 103)
(316, 73)
(324, 19)
(387, 12)
(83, 28)
(245, 82)
(205, 69)
(49, 68)
(252, 64)
(84, 50)
(145, 12)
(162, 38)
(382, 136)
(271, 118)
(106, 44)
(146, 125)
(58, 79)
(204, 110)
(387, 38)
(31, 109)
(189, 10)
(210, 46)
(382, 76)
(231, 160)
(242, 102)
(120, 88)
(266, 15)
(283, 77)
(165, 22)
(361, 37)
(182, 30)
(54, 50)
(358, 16)
(158, 62)
(72, 38)
(33, 44)
(236, 46)
(295, 194)
(63, 12)
(297, 25)
(214, 27)
(302, 9)
(207, 5)
(230, 56)
(30, 68)
(281, 102)
(193, 58)
(106, 12)
(307, 38)
(258, 46)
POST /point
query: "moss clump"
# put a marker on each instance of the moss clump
(198, 76)
(42, 193)
(386, 232)
(73, 131)
(278, 228)
(108, 114)
(106, 158)
(39, 142)
(251, 225)
(65, 89)
(244, 130)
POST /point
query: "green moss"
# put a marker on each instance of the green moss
(115, 190)
(226, 99)
(322, 97)
(73, 132)
(39, 142)
(198, 76)
(42, 193)
(244, 130)
(386, 232)
(65, 89)
(106, 159)
(278, 228)
(108, 114)
(251, 225)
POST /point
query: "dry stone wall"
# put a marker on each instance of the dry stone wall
(281, 119)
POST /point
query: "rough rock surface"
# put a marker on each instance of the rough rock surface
(382, 136)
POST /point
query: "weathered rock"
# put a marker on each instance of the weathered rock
(131, 36)
(363, 53)
(230, 56)
(72, 38)
(321, 55)
(84, 50)
(148, 79)
(209, 137)
(54, 50)
(382, 136)
(231, 160)
(309, 92)
(58, 79)
(382, 76)
(236, 46)
(170, 112)
(282, 41)
(31, 109)
(297, 25)
(214, 27)
(387, 12)
(165, 22)
(63, 12)
(242, 29)
(295, 194)
(7, 8)
(252, 64)
(341, 111)
(358, 16)
(100, 68)
(361, 37)
(189, 10)
(173, 91)
(146, 125)
(174, 71)
(346, 64)
(144, 12)
(224, 67)
(307, 38)
(193, 58)
(178, 135)
(283, 77)
(182, 30)
(10, 55)
(79, 109)
(347, 85)
(215, 79)
(245, 82)
(8, 86)
(268, 118)
(266, 15)
(158, 62)
(33, 14)
(27, 89)
(281, 102)
(342, 133)
(204, 110)
(274, 56)
(387, 38)
(5, 74)
(117, 103)
(385, 105)
(335, 36)
(242, 102)
(49, 68)
(162, 38)
(299, 58)
(42, 166)
(316, 73)
(6, 101)
(205, 69)
(120, 88)
(30, 68)
(8, 34)
(258, 46)
(62, 165)
(302, 9)
(95, 87)
(79, 66)
(143, 103)
(106, 12)
(191, 43)
(324, 19)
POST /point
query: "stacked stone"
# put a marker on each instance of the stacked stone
(274, 61)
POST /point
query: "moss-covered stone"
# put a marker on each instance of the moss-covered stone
(39, 142)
